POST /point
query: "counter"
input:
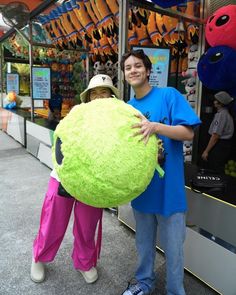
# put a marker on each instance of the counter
(36, 136)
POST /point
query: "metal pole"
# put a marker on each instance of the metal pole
(201, 48)
(87, 68)
(1, 72)
(31, 65)
(123, 41)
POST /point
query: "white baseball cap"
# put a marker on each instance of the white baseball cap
(99, 81)
(223, 97)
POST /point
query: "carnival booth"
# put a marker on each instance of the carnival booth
(64, 43)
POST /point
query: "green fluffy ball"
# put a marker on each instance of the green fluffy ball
(96, 156)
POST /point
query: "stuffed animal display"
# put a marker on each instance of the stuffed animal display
(187, 151)
(216, 67)
(193, 58)
(190, 88)
(109, 68)
(191, 74)
(12, 101)
(96, 156)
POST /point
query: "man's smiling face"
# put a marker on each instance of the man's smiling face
(135, 72)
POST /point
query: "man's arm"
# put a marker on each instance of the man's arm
(147, 128)
(213, 140)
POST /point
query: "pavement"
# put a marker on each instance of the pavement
(23, 183)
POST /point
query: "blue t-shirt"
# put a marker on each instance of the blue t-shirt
(166, 195)
(55, 102)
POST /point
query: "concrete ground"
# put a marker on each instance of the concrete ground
(23, 182)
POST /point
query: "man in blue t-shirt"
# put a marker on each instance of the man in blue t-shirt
(166, 113)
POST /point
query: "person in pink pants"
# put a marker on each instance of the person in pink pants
(57, 208)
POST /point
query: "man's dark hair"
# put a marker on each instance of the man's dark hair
(139, 53)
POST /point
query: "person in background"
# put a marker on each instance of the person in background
(221, 131)
(167, 114)
(55, 105)
(57, 208)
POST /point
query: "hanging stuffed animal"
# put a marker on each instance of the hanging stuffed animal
(152, 29)
(221, 27)
(72, 18)
(132, 35)
(85, 20)
(58, 30)
(216, 69)
(114, 8)
(168, 3)
(190, 88)
(192, 62)
(72, 34)
(12, 101)
(105, 17)
(45, 21)
(109, 68)
(187, 151)
(98, 68)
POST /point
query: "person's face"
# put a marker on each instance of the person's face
(217, 104)
(100, 92)
(135, 72)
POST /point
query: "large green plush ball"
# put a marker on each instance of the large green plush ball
(96, 156)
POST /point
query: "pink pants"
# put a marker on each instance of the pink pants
(54, 220)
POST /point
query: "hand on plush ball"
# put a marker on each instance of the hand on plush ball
(146, 128)
(96, 156)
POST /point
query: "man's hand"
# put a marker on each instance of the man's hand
(146, 128)
(205, 155)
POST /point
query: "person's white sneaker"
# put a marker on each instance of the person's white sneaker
(90, 276)
(37, 272)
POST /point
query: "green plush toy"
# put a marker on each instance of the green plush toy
(96, 156)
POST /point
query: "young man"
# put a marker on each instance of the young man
(163, 203)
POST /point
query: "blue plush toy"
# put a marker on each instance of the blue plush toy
(217, 69)
(10, 105)
(168, 3)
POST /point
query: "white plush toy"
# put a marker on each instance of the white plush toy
(98, 68)
(192, 62)
(190, 88)
(187, 151)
